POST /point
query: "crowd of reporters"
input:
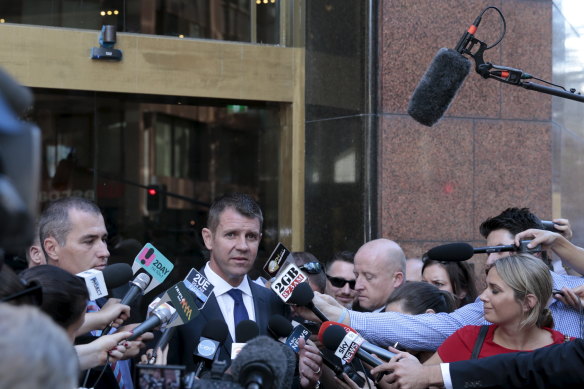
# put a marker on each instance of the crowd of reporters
(429, 314)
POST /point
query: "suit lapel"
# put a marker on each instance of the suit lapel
(260, 305)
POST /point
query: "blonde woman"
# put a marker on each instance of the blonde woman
(518, 289)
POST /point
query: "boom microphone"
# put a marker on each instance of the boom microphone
(457, 252)
(451, 252)
(302, 295)
(438, 86)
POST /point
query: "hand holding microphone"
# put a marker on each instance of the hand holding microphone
(114, 313)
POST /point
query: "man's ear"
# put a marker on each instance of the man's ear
(207, 238)
(36, 255)
(430, 310)
(51, 249)
(398, 279)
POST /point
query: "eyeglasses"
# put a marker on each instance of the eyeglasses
(340, 282)
(311, 267)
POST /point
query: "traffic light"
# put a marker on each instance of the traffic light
(155, 198)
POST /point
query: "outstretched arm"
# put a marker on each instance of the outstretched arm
(568, 252)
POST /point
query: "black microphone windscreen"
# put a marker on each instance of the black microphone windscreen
(215, 330)
(302, 295)
(451, 252)
(438, 86)
(264, 357)
(290, 355)
(280, 326)
(246, 330)
(333, 336)
(117, 274)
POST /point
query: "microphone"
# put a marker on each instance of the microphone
(347, 345)
(280, 327)
(438, 86)
(365, 345)
(457, 252)
(116, 275)
(160, 316)
(245, 331)
(138, 284)
(262, 364)
(167, 334)
(451, 252)
(302, 295)
(212, 337)
(98, 282)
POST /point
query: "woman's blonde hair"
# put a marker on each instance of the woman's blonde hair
(526, 274)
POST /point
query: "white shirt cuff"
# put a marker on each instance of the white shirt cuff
(445, 370)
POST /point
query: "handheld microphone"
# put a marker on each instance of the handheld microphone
(213, 336)
(262, 364)
(161, 315)
(117, 274)
(245, 331)
(164, 339)
(302, 295)
(99, 282)
(138, 284)
(347, 345)
(369, 347)
(281, 328)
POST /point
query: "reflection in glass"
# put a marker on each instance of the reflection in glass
(230, 20)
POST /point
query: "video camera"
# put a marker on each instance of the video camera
(20, 161)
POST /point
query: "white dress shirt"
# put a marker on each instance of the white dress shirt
(226, 303)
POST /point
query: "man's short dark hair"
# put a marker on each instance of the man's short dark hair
(241, 202)
(513, 220)
(345, 256)
(54, 221)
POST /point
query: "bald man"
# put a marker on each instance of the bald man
(380, 267)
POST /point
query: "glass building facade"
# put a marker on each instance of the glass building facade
(303, 104)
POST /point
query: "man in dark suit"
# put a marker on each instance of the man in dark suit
(558, 366)
(232, 237)
(73, 235)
